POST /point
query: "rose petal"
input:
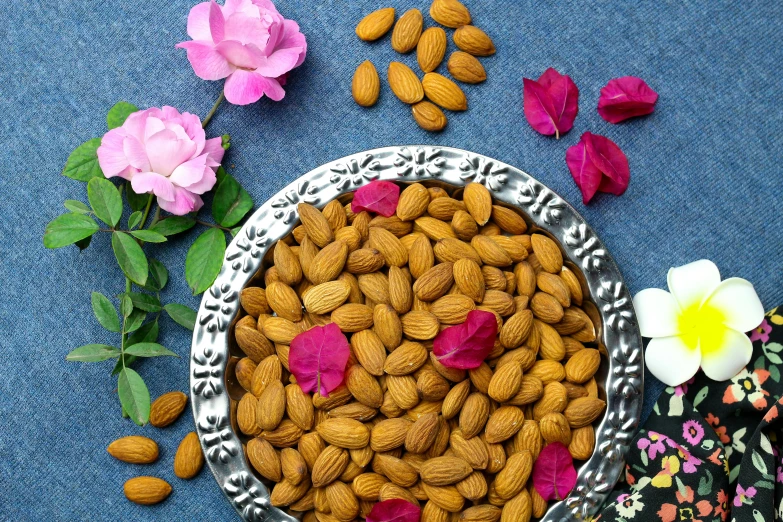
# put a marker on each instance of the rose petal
(657, 312)
(189, 174)
(146, 182)
(539, 109)
(376, 196)
(214, 148)
(247, 29)
(691, 284)
(609, 159)
(624, 98)
(198, 22)
(166, 152)
(136, 154)
(740, 305)
(585, 173)
(207, 62)
(671, 360)
(279, 62)
(244, 56)
(245, 87)
(216, 22)
(184, 202)
(725, 354)
(111, 156)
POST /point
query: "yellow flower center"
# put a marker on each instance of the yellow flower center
(702, 323)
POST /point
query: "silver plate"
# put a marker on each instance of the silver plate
(618, 331)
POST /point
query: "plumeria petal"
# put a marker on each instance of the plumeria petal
(207, 62)
(725, 354)
(737, 300)
(691, 284)
(657, 313)
(671, 360)
(198, 22)
(146, 182)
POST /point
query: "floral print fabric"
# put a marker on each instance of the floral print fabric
(711, 451)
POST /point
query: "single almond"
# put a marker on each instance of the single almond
(367, 486)
(466, 68)
(366, 85)
(389, 246)
(387, 326)
(264, 459)
(420, 325)
(474, 414)
(284, 301)
(299, 407)
(429, 116)
(146, 490)
(286, 434)
(505, 382)
(553, 400)
(474, 41)
(400, 291)
(422, 434)
(451, 250)
(287, 263)
(452, 309)
(516, 329)
(431, 49)
(253, 300)
(271, 406)
(315, 224)
(286, 492)
(389, 434)
(548, 253)
(327, 264)
(450, 13)
(406, 359)
(434, 229)
(329, 465)
(345, 433)
(375, 286)
(268, 371)
(189, 458)
(583, 365)
(554, 428)
(583, 411)
(324, 298)
(167, 408)
(478, 202)
(444, 92)
(582, 442)
(407, 31)
(464, 226)
(363, 386)
(375, 24)
(134, 449)
(353, 317)
(546, 308)
(468, 278)
(435, 282)
(511, 479)
(444, 471)
(518, 508)
(246, 415)
(446, 497)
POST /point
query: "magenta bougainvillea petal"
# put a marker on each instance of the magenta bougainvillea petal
(377, 196)
(318, 357)
(598, 165)
(551, 103)
(554, 475)
(626, 97)
(394, 510)
(585, 173)
(466, 345)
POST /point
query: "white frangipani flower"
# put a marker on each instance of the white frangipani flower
(702, 322)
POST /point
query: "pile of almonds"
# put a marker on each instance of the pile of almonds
(136, 449)
(430, 45)
(459, 443)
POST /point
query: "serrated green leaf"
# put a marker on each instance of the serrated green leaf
(76, 206)
(134, 219)
(149, 350)
(135, 201)
(135, 320)
(173, 225)
(93, 353)
(149, 236)
(231, 202)
(146, 302)
(68, 229)
(204, 259)
(105, 312)
(105, 200)
(148, 333)
(130, 257)
(126, 305)
(159, 276)
(119, 113)
(182, 315)
(82, 164)
(134, 396)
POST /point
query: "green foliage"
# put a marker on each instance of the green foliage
(204, 260)
(148, 236)
(158, 277)
(119, 113)
(149, 350)
(134, 219)
(76, 206)
(104, 312)
(68, 229)
(134, 396)
(130, 257)
(173, 225)
(182, 315)
(146, 302)
(231, 202)
(105, 200)
(93, 353)
(135, 201)
(82, 164)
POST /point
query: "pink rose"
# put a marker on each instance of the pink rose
(164, 153)
(247, 42)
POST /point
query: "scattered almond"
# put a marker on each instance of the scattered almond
(474, 41)
(366, 85)
(375, 24)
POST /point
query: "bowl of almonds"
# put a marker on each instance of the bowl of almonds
(416, 334)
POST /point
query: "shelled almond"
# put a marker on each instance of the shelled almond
(403, 425)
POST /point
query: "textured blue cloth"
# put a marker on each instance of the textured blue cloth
(705, 182)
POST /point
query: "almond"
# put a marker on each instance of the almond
(474, 414)
(469, 279)
(450, 13)
(444, 92)
(397, 470)
(299, 407)
(189, 458)
(389, 246)
(435, 282)
(466, 68)
(548, 253)
(554, 286)
(505, 382)
(348, 235)
(246, 415)
(434, 513)
(455, 399)
(406, 359)
(473, 487)
(254, 302)
(354, 410)
(271, 406)
(285, 492)
(478, 202)
(430, 50)
(369, 351)
(404, 83)
(363, 386)
(452, 309)
(583, 365)
(339, 396)
(329, 465)
(491, 253)
(366, 85)
(390, 491)
(446, 497)
(280, 330)
(264, 459)
(388, 326)
(516, 329)
(444, 208)
(310, 446)
(324, 298)
(420, 325)
(500, 302)
(444, 471)
(551, 344)
(421, 256)
(286, 434)
(268, 371)
(389, 434)
(328, 263)
(517, 509)
(252, 341)
(582, 442)
(367, 486)
(364, 261)
(284, 301)
(413, 202)
(375, 24)
(345, 433)
(473, 41)
(422, 434)
(407, 31)
(147, 490)
(134, 449)
(473, 450)
(530, 390)
(481, 513)
(429, 116)
(431, 385)
(400, 292)
(526, 278)
(583, 411)
(511, 479)
(293, 465)
(315, 224)
(554, 399)
(464, 225)
(450, 250)
(288, 267)
(353, 317)
(547, 371)
(574, 286)
(375, 286)
(434, 229)
(403, 390)
(554, 428)
(528, 438)
(167, 408)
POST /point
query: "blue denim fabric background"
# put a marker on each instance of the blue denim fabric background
(705, 183)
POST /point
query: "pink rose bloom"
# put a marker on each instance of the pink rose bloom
(163, 152)
(248, 43)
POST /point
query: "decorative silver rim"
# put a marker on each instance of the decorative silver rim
(275, 219)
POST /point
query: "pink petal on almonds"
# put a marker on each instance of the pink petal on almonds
(394, 510)
(377, 196)
(466, 345)
(318, 357)
(554, 475)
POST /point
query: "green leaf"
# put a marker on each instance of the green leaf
(76, 206)
(68, 229)
(105, 200)
(759, 364)
(773, 347)
(104, 312)
(146, 302)
(700, 396)
(173, 225)
(82, 164)
(130, 257)
(766, 484)
(126, 305)
(149, 350)
(705, 483)
(135, 320)
(134, 396)
(93, 353)
(134, 220)
(146, 334)
(231, 202)
(774, 373)
(149, 236)
(235, 231)
(159, 276)
(220, 174)
(204, 259)
(119, 113)
(774, 358)
(136, 201)
(182, 315)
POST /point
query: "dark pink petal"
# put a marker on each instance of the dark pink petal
(565, 98)
(610, 160)
(626, 97)
(317, 358)
(554, 475)
(539, 109)
(394, 510)
(466, 345)
(585, 173)
(377, 196)
(216, 22)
